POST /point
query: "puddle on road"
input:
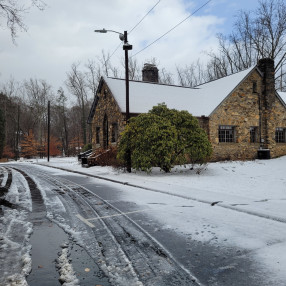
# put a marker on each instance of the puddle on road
(85, 268)
(45, 240)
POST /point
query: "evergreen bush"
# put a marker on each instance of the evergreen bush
(162, 138)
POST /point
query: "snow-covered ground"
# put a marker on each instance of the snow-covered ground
(256, 190)
(15, 231)
(248, 212)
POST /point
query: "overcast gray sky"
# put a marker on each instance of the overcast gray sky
(63, 34)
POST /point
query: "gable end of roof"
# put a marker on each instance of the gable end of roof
(280, 98)
(95, 101)
(254, 68)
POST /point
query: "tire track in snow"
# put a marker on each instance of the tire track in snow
(204, 201)
(135, 248)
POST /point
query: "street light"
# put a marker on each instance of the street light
(126, 47)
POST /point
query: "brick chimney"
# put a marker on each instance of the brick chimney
(150, 73)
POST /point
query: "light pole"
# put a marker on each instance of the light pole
(49, 120)
(126, 48)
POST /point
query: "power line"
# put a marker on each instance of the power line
(114, 52)
(134, 28)
(171, 29)
(145, 16)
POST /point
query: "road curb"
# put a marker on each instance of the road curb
(98, 177)
(211, 203)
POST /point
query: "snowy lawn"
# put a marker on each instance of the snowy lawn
(257, 186)
(248, 212)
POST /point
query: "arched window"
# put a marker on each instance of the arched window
(105, 132)
(114, 132)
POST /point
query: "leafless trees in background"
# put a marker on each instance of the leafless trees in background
(37, 93)
(12, 12)
(256, 34)
(78, 87)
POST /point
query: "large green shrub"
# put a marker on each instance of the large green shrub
(192, 145)
(151, 140)
(162, 138)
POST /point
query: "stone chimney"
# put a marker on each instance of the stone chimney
(150, 73)
(267, 100)
(266, 66)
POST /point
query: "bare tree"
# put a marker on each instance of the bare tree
(77, 85)
(104, 65)
(38, 93)
(134, 69)
(165, 77)
(59, 120)
(192, 75)
(12, 12)
(93, 76)
(257, 34)
(10, 101)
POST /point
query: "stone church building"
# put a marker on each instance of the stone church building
(241, 113)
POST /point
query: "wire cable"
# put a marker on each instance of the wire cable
(134, 29)
(172, 28)
(113, 52)
(144, 16)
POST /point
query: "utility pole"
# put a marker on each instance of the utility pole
(126, 48)
(18, 131)
(48, 151)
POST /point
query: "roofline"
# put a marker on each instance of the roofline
(280, 98)
(155, 83)
(102, 80)
(229, 75)
(95, 101)
(255, 67)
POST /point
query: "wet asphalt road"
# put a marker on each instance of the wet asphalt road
(204, 260)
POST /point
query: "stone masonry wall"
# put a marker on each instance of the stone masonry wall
(277, 118)
(241, 110)
(106, 106)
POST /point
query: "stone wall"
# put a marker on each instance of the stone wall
(241, 110)
(254, 103)
(244, 109)
(106, 106)
(277, 118)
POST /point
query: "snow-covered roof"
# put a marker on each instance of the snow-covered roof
(199, 101)
(282, 94)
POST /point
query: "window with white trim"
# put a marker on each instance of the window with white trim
(226, 133)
